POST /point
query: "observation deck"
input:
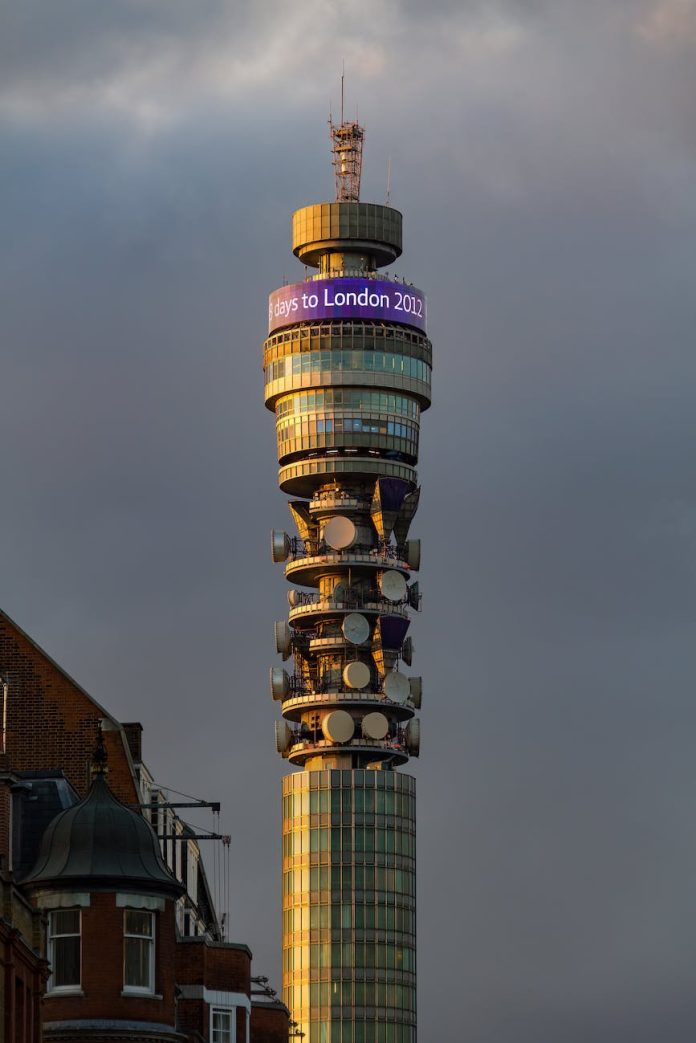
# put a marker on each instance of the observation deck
(366, 233)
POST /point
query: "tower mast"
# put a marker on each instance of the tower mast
(346, 154)
(347, 365)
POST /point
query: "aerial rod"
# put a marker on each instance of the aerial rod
(153, 805)
(224, 837)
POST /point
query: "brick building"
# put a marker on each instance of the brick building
(107, 926)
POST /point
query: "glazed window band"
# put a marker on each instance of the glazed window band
(347, 399)
(347, 336)
(343, 361)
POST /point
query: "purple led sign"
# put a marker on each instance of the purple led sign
(346, 299)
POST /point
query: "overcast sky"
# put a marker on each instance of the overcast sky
(543, 153)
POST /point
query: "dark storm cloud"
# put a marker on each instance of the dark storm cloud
(543, 155)
(82, 42)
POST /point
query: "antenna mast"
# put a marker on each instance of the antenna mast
(346, 155)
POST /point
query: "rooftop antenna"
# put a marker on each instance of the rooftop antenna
(346, 154)
(388, 200)
(100, 755)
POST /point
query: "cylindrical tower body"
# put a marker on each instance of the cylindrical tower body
(347, 373)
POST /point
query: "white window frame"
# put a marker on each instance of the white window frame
(231, 1013)
(140, 990)
(73, 986)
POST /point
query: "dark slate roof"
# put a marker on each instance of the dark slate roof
(37, 798)
(100, 844)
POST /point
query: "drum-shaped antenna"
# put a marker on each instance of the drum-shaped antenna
(283, 637)
(338, 726)
(356, 628)
(338, 594)
(412, 553)
(396, 687)
(293, 598)
(413, 737)
(414, 596)
(280, 545)
(356, 675)
(407, 651)
(280, 682)
(283, 736)
(393, 585)
(375, 726)
(416, 686)
(340, 533)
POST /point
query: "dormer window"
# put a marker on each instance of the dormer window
(138, 951)
(64, 949)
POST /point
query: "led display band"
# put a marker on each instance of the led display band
(371, 299)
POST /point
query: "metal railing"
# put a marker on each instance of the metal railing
(304, 738)
(310, 548)
(374, 276)
(307, 604)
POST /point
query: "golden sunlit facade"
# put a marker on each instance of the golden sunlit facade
(349, 942)
(347, 366)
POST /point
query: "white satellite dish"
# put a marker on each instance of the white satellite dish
(293, 598)
(283, 736)
(280, 682)
(356, 675)
(280, 545)
(340, 533)
(407, 651)
(356, 628)
(393, 585)
(375, 726)
(338, 726)
(413, 737)
(396, 687)
(283, 637)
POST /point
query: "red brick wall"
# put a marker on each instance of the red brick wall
(193, 1019)
(51, 722)
(102, 969)
(215, 965)
(22, 976)
(269, 1024)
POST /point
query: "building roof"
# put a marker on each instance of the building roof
(37, 797)
(100, 844)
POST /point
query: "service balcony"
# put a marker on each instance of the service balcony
(392, 748)
(311, 607)
(297, 702)
(315, 560)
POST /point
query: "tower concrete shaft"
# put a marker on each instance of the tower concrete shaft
(347, 368)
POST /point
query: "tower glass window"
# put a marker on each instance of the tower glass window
(138, 951)
(64, 949)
